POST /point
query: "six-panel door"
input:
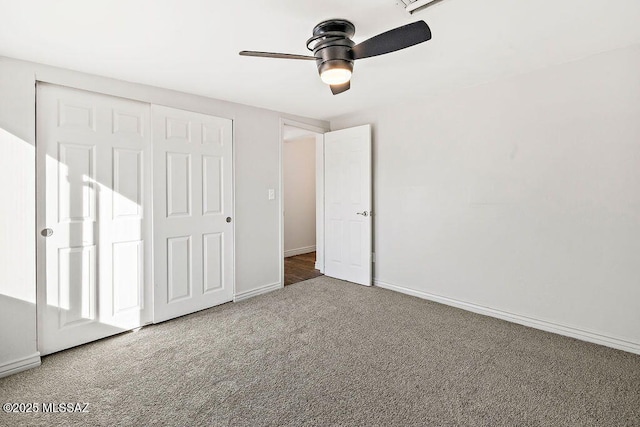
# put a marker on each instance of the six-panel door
(193, 240)
(347, 197)
(93, 156)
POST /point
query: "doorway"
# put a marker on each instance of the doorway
(343, 209)
(301, 157)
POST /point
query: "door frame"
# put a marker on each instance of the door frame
(319, 190)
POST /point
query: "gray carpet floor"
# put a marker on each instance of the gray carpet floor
(325, 352)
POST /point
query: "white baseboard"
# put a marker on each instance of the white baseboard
(522, 320)
(258, 291)
(299, 251)
(19, 365)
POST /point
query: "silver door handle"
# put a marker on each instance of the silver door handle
(46, 232)
(363, 213)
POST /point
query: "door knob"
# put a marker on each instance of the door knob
(46, 232)
(228, 219)
(363, 213)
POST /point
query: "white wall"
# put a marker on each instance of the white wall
(257, 140)
(299, 193)
(17, 219)
(518, 198)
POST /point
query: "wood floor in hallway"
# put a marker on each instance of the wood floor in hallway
(300, 267)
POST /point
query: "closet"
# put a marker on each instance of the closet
(135, 211)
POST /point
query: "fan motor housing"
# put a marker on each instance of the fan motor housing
(331, 44)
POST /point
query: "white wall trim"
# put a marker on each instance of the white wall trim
(257, 291)
(19, 365)
(299, 251)
(519, 319)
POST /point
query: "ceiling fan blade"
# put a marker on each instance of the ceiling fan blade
(392, 40)
(275, 55)
(337, 89)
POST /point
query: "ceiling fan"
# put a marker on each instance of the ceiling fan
(334, 51)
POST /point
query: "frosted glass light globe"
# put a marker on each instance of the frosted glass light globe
(336, 76)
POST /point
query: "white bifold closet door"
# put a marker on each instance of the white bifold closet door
(93, 221)
(193, 211)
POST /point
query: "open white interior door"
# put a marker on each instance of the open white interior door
(347, 177)
(193, 209)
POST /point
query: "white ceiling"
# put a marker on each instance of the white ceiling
(192, 45)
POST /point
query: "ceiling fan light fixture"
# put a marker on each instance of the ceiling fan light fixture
(336, 76)
(335, 52)
(335, 71)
